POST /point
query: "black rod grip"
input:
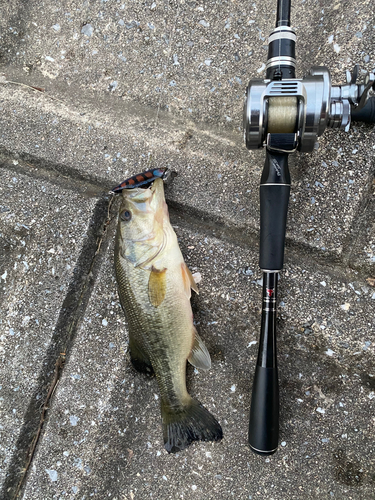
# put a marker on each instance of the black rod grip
(264, 411)
(366, 114)
(273, 213)
(274, 199)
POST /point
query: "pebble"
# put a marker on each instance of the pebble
(73, 420)
(52, 474)
(87, 30)
(112, 86)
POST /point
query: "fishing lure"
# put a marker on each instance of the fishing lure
(144, 179)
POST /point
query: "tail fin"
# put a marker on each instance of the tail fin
(192, 423)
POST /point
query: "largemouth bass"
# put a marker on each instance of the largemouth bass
(154, 286)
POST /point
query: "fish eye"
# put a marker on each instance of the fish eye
(126, 215)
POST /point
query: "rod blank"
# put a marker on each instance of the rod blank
(264, 411)
(283, 13)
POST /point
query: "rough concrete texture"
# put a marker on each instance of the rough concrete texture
(162, 83)
(104, 440)
(362, 253)
(124, 86)
(111, 139)
(43, 229)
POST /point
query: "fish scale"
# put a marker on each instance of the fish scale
(165, 331)
(154, 288)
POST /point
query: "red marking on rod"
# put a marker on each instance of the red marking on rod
(270, 291)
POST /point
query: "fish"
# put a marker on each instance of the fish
(154, 285)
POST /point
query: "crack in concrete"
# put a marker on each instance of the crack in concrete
(359, 221)
(198, 220)
(71, 313)
(58, 174)
(57, 373)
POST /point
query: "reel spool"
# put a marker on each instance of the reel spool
(298, 109)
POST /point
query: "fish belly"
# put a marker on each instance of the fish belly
(160, 340)
(161, 336)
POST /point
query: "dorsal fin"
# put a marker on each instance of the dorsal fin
(199, 356)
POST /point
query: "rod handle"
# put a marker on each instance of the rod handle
(273, 215)
(264, 411)
(274, 199)
(366, 114)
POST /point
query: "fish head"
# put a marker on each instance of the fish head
(140, 226)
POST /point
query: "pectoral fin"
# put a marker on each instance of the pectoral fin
(199, 356)
(157, 286)
(188, 280)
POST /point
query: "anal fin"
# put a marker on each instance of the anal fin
(139, 359)
(199, 356)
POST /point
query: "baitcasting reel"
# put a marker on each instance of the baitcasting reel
(299, 109)
(283, 114)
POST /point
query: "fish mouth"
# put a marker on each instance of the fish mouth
(145, 200)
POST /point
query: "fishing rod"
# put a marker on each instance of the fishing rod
(284, 114)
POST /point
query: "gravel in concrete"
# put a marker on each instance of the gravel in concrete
(192, 58)
(162, 83)
(43, 231)
(103, 438)
(124, 86)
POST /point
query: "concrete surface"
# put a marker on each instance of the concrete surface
(121, 87)
(104, 440)
(48, 240)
